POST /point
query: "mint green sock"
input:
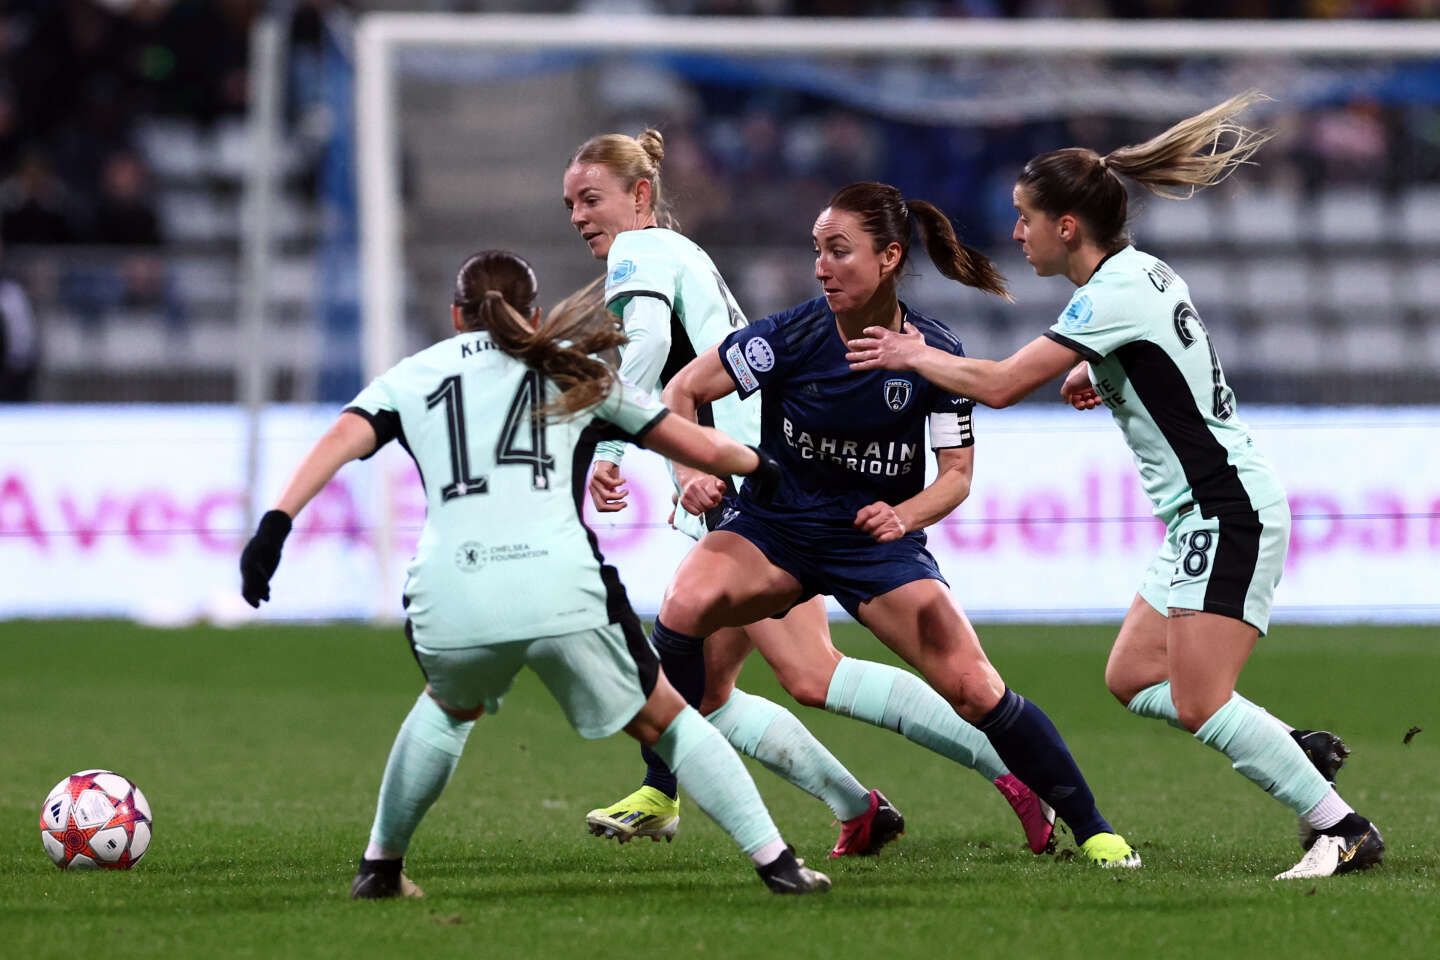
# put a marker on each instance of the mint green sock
(1262, 751)
(711, 772)
(900, 701)
(771, 734)
(1156, 703)
(426, 750)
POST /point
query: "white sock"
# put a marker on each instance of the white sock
(1328, 812)
(769, 853)
(376, 852)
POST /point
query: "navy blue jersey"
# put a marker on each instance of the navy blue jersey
(845, 438)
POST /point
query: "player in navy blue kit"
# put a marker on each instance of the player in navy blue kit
(674, 306)
(848, 518)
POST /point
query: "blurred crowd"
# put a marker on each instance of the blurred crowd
(79, 77)
(1122, 9)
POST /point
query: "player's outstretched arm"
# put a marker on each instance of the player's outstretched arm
(702, 380)
(705, 448)
(350, 438)
(991, 382)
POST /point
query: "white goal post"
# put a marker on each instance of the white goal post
(382, 35)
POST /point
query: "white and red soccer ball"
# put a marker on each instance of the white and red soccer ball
(95, 819)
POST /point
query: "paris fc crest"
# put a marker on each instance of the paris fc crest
(897, 394)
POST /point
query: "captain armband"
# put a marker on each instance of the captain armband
(952, 429)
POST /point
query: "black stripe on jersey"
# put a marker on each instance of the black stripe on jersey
(1161, 386)
(605, 430)
(387, 427)
(1079, 348)
(410, 638)
(617, 603)
(638, 437)
(682, 351)
(626, 294)
(1236, 556)
(385, 423)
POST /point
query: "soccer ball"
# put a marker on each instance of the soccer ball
(95, 818)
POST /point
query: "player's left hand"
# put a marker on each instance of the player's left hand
(880, 521)
(261, 556)
(1077, 389)
(701, 492)
(884, 349)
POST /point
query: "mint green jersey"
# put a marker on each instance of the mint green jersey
(689, 311)
(1152, 362)
(504, 554)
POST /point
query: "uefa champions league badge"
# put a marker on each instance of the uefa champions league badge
(623, 271)
(758, 352)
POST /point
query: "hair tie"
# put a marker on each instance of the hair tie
(1104, 163)
(494, 295)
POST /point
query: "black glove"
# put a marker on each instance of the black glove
(764, 480)
(261, 556)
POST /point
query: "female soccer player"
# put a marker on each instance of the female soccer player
(1132, 339)
(675, 305)
(505, 574)
(848, 518)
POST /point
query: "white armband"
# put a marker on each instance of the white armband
(951, 429)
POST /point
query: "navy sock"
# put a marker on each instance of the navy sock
(683, 659)
(1033, 750)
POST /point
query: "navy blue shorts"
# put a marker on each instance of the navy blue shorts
(845, 563)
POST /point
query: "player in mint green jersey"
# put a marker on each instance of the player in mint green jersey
(501, 420)
(1131, 338)
(675, 305)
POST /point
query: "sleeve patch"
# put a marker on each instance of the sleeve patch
(744, 376)
(759, 353)
(622, 271)
(1078, 314)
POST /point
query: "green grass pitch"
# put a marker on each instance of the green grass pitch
(261, 752)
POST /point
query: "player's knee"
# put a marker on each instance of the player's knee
(715, 698)
(1120, 683)
(807, 685)
(659, 711)
(972, 694)
(1192, 712)
(685, 611)
(462, 714)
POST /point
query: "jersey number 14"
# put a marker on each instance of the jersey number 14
(523, 420)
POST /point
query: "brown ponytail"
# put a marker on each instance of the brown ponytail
(961, 263)
(1195, 153)
(492, 289)
(888, 218)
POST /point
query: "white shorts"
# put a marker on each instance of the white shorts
(601, 678)
(1228, 564)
